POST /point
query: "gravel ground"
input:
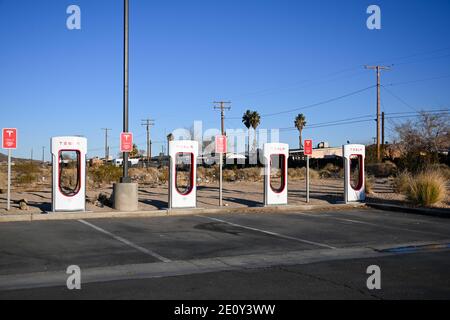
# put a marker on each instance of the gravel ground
(236, 194)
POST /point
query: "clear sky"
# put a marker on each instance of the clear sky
(264, 55)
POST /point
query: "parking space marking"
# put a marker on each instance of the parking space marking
(282, 236)
(128, 243)
(370, 224)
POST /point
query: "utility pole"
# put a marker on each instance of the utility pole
(106, 144)
(148, 123)
(31, 157)
(222, 107)
(43, 154)
(382, 130)
(378, 69)
(125, 178)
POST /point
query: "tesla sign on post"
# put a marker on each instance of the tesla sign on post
(221, 148)
(126, 142)
(307, 151)
(9, 142)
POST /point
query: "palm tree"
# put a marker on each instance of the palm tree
(255, 120)
(246, 121)
(300, 123)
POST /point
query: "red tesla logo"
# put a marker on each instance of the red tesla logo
(308, 147)
(9, 140)
(126, 142)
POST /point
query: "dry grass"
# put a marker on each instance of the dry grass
(402, 181)
(300, 173)
(369, 183)
(26, 172)
(3, 179)
(104, 175)
(427, 188)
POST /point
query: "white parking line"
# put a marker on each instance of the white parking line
(128, 243)
(271, 233)
(388, 227)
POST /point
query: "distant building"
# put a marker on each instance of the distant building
(323, 151)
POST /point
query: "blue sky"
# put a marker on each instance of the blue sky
(264, 55)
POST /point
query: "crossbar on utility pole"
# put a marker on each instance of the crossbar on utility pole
(222, 107)
(148, 123)
(378, 69)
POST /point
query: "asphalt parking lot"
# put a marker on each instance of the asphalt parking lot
(124, 258)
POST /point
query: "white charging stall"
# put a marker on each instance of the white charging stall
(275, 173)
(69, 173)
(354, 176)
(183, 174)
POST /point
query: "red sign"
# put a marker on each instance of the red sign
(307, 147)
(9, 140)
(126, 142)
(221, 144)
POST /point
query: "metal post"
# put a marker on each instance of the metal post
(220, 182)
(125, 178)
(8, 201)
(307, 179)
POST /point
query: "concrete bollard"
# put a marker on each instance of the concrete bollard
(125, 196)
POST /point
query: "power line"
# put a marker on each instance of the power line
(415, 81)
(313, 104)
(399, 99)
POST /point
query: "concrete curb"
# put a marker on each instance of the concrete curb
(173, 212)
(441, 213)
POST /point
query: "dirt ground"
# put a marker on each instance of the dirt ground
(236, 194)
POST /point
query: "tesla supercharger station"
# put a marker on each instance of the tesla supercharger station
(354, 177)
(183, 174)
(275, 173)
(69, 173)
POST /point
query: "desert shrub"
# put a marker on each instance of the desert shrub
(402, 181)
(26, 172)
(229, 175)
(105, 174)
(441, 168)
(369, 183)
(300, 173)
(331, 171)
(3, 180)
(163, 175)
(427, 188)
(384, 169)
(253, 174)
